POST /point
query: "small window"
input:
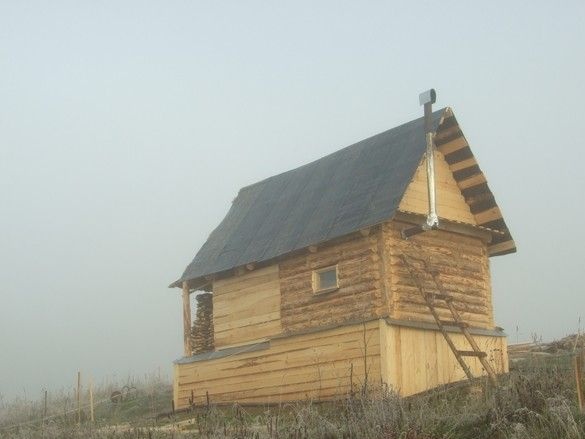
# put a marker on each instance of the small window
(325, 279)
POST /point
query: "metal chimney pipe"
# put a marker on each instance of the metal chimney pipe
(428, 98)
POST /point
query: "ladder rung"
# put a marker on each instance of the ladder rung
(454, 323)
(472, 353)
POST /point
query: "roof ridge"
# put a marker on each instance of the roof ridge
(358, 185)
(339, 151)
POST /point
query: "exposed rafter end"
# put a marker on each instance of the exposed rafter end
(365, 232)
(418, 226)
(416, 230)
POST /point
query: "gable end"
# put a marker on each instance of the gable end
(452, 144)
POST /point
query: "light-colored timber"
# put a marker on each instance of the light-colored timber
(450, 204)
(331, 363)
(464, 266)
(319, 365)
(247, 307)
(420, 270)
(359, 295)
(420, 359)
(278, 338)
(186, 319)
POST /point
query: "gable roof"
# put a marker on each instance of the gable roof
(354, 188)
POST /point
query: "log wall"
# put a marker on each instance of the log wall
(415, 360)
(464, 271)
(317, 365)
(247, 307)
(359, 296)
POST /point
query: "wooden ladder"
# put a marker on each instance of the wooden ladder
(457, 321)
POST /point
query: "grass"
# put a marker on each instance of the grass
(535, 401)
(136, 404)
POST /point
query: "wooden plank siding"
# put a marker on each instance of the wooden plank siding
(415, 360)
(246, 307)
(317, 365)
(450, 201)
(464, 271)
(360, 293)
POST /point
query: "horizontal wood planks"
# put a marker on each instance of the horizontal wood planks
(312, 366)
(450, 202)
(359, 296)
(246, 307)
(463, 264)
(418, 359)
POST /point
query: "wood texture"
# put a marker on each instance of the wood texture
(463, 265)
(186, 320)
(247, 307)
(451, 143)
(360, 293)
(202, 329)
(305, 360)
(422, 359)
(450, 201)
(310, 366)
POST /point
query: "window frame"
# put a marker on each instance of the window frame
(316, 280)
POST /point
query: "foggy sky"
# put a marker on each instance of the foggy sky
(127, 128)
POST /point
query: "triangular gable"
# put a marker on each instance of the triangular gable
(454, 151)
(451, 204)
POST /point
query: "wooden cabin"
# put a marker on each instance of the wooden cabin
(304, 291)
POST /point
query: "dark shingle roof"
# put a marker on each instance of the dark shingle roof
(354, 188)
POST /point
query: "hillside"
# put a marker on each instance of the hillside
(537, 399)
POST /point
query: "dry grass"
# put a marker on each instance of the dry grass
(139, 400)
(534, 402)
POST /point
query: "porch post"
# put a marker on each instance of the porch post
(186, 320)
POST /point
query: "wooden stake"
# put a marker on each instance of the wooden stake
(78, 397)
(186, 320)
(44, 415)
(351, 380)
(91, 400)
(578, 363)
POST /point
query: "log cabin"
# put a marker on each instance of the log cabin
(303, 290)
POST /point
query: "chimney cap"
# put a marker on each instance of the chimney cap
(428, 97)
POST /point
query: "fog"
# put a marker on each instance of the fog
(127, 128)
